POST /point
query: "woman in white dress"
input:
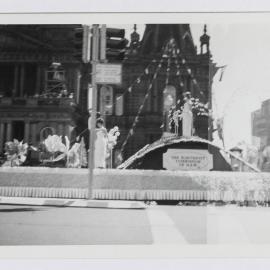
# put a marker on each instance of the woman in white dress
(187, 120)
(100, 144)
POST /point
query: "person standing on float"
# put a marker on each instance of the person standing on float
(187, 120)
(101, 143)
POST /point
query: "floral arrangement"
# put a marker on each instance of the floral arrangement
(77, 155)
(55, 149)
(15, 153)
(113, 135)
(197, 107)
(54, 144)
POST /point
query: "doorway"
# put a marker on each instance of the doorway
(18, 130)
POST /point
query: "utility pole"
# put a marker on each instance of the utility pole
(95, 59)
(99, 54)
(103, 46)
(103, 42)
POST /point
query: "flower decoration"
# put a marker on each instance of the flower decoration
(198, 109)
(54, 144)
(57, 150)
(113, 135)
(15, 153)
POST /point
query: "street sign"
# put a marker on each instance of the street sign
(108, 73)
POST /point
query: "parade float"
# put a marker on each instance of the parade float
(194, 168)
(184, 148)
(172, 169)
(183, 165)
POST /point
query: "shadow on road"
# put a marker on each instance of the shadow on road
(24, 209)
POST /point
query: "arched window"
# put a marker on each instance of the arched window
(106, 100)
(169, 100)
(55, 82)
(45, 132)
(169, 97)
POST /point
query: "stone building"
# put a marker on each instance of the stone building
(260, 125)
(39, 81)
(152, 122)
(43, 87)
(260, 131)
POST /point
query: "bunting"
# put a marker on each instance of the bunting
(179, 62)
(136, 120)
(188, 71)
(136, 82)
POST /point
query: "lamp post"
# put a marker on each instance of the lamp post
(91, 164)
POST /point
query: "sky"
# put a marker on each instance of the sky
(244, 48)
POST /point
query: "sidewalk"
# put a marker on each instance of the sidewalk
(117, 204)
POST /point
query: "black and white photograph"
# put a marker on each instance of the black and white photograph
(134, 134)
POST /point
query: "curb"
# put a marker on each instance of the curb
(73, 203)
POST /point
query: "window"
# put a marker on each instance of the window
(106, 100)
(169, 97)
(169, 100)
(30, 79)
(18, 130)
(119, 103)
(55, 79)
(6, 79)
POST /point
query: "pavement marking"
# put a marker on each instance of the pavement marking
(231, 229)
(212, 225)
(163, 228)
(223, 227)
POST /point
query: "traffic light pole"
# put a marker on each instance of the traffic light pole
(95, 57)
(99, 53)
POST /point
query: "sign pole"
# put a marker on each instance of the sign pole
(91, 164)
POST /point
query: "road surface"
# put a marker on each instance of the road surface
(28, 225)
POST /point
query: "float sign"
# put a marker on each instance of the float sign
(109, 73)
(187, 160)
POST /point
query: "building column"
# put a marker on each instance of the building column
(34, 133)
(2, 139)
(15, 86)
(41, 79)
(78, 86)
(9, 131)
(38, 81)
(26, 131)
(22, 81)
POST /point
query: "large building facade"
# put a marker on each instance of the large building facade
(260, 125)
(38, 81)
(182, 69)
(44, 88)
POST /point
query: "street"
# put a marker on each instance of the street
(33, 225)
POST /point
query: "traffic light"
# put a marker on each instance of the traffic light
(112, 44)
(82, 43)
(115, 44)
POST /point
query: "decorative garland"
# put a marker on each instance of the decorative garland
(133, 84)
(136, 120)
(198, 108)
